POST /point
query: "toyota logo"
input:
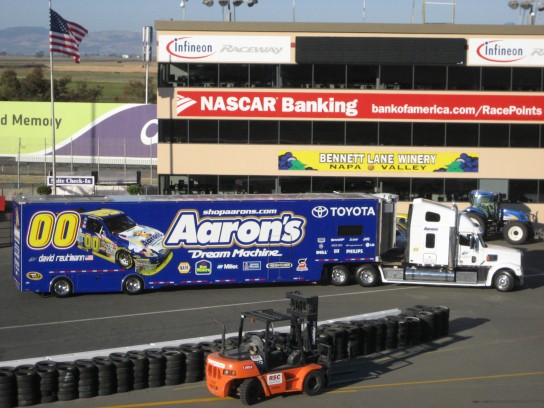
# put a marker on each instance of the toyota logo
(320, 212)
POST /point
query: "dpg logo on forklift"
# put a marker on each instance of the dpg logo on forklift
(190, 231)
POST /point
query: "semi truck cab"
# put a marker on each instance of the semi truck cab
(445, 247)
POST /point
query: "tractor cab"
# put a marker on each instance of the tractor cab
(487, 202)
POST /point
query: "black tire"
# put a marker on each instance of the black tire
(124, 259)
(516, 233)
(314, 383)
(478, 219)
(62, 288)
(339, 275)
(133, 285)
(504, 281)
(251, 391)
(367, 276)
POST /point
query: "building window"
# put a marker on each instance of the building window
(264, 132)
(496, 78)
(359, 185)
(459, 189)
(263, 76)
(328, 133)
(525, 135)
(432, 189)
(430, 77)
(398, 186)
(327, 184)
(362, 133)
(205, 75)
(295, 184)
(395, 134)
(233, 75)
(203, 184)
(462, 134)
(396, 77)
(234, 131)
(429, 134)
(523, 191)
(527, 79)
(329, 76)
(262, 185)
(362, 76)
(463, 78)
(233, 185)
(203, 131)
(296, 132)
(296, 76)
(173, 131)
(492, 135)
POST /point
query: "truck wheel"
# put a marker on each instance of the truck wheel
(339, 275)
(62, 287)
(133, 285)
(314, 383)
(125, 260)
(478, 219)
(367, 276)
(250, 391)
(504, 281)
(516, 233)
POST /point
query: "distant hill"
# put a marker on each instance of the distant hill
(30, 40)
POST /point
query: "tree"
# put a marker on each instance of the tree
(134, 92)
(37, 88)
(10, 86)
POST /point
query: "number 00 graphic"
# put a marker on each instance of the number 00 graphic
(47, 228)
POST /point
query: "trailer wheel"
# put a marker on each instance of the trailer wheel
(133, 285)
(314, 383)
(339, 275)
(516, 233)
(62, 287)
(124, 259)
(250, 391)
(367, 276)
(478, 219)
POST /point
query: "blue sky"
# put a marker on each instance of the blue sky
(132, 15)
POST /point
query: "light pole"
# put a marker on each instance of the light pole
(226, 3)
(183, 5)
(530, 6)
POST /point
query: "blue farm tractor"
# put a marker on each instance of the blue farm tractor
(487, 210)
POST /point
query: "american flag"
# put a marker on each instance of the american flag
(65, 36)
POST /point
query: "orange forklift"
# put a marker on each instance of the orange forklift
(263, 364)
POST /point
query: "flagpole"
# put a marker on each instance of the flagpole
(53, 157)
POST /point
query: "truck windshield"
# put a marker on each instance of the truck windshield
(119, 223)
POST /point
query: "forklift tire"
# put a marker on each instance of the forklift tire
(251, 391)
(367, 276)
(314, 383)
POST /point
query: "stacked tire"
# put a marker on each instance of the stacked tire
(175, 367)
(140, 369)
(49, 381)
(107, 376)
(124, 372)
(88, 378)
(28, 385)
(157, 367)
(68, 381)
(8, 388)
(194, 362)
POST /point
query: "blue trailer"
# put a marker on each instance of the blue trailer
(79, 244)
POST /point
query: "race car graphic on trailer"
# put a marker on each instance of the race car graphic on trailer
(113, 235)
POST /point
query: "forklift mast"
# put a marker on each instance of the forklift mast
(303, 309)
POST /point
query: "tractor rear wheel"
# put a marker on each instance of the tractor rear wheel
(251, 391)
(478, 219)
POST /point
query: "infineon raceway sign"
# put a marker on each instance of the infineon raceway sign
(370, 105)
(505, 52)
(225, 48)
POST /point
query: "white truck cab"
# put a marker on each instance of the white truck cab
(444, 247)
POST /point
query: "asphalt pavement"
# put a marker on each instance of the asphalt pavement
(492, 357)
